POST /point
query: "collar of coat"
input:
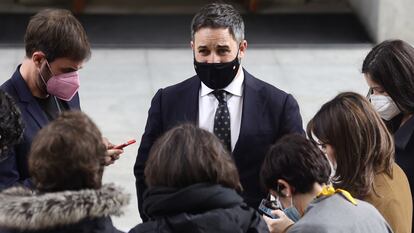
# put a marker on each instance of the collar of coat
(23, 209)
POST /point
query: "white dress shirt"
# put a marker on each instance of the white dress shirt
(208, 103)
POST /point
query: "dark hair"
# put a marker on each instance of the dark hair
(67, 154)
(391, 65)
(57, 33)
(11, 126)
(362, 145)
(187, 155)
(297, 161)
(219, 15)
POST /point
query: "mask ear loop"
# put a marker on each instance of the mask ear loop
(291, 202)
(280, 192)
(278, 202)
(284, 195)
(54, 97)
(50, 68)
(41, 75)
(57, 105)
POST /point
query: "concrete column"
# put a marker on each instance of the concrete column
(386, 19)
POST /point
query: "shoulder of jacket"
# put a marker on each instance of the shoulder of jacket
(264, 87)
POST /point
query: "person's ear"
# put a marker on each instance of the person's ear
(38, 58)
(284, 188)
(242, 48)
(192, 44)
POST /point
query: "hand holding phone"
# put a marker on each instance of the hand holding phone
(121, 146)
(264, 208)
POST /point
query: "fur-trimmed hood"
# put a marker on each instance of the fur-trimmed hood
(23, 209)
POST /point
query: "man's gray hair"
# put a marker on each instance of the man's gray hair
(219, 15)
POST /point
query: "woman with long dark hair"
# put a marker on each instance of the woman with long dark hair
(389, 71)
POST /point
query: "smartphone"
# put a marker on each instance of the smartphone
(264, 208)
(121, 146)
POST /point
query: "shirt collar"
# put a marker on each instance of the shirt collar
(234, 88)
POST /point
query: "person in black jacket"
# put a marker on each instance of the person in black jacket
(66, 162)
(389, 71)
(194, 186)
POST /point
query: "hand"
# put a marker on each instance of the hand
(111, 154)
(280, 224)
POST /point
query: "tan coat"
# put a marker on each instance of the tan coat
(394, 200)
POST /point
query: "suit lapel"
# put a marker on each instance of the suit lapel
(192, 101)
(26, 97)
(252, 109)
(187, 102)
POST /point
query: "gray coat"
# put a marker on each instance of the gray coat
(335, 214)
(88, 210)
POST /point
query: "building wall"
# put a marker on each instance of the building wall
(396, 16)
(386, 19)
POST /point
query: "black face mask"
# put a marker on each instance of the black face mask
(217, 75)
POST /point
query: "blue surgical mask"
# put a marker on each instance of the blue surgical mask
(291, 211)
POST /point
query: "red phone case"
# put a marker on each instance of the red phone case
(132, 141)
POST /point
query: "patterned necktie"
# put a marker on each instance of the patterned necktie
(222, 119)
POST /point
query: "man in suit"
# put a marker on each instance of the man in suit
(246, 114)
(45, 84)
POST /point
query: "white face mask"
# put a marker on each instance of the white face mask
(385, 106)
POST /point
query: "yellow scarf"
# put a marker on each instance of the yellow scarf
(329, 191)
